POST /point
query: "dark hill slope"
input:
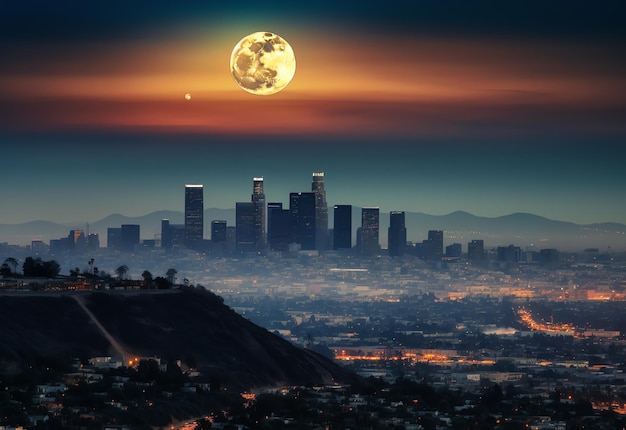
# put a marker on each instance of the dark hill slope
(45, 325)
(180, 324)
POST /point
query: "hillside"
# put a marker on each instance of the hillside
(188, 324)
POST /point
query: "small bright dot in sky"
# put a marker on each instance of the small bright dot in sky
(187, 96)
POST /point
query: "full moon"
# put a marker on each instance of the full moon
(262, 63)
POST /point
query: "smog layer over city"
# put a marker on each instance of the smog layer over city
(312, 216)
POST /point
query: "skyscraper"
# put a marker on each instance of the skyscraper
(476, 251)
(277, 227)
(129, 237)
(245, 227)
(77, 241)
(302, 219)
(114, 238)
(369, 230)
(454, 250)
(166, 234)
(258, 201)
(342, 236)
(218, 231)
(194, 215)
(396, 244)
(321, 211)
(435, 239)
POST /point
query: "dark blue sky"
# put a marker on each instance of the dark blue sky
(491, 108)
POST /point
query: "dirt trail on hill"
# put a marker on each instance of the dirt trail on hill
(114, 343)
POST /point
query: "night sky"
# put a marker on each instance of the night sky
(487, 107)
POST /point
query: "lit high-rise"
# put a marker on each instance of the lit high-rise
(476, 251)
(302, 219)
(369, 231)
(435, 238)
(194, 215)
(396, 244)
(321, 211)
(129, 237)
(166, 234)
(218, 231)
(277, 227)
(245, 227)
(342, 227)
(258, 202)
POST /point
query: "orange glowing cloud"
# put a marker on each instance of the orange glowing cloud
(343, 85)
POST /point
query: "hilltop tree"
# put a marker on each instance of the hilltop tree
(162, 283)
(122, 271)
(171, 275)
(147, 278)
(92, 270)
(5, 270)
(36, 268)
(9, 266)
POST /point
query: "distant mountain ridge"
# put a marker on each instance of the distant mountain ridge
(520, 229)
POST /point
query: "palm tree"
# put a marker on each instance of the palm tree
(90, 263)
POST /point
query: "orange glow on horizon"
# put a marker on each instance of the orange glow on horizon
(342, 85)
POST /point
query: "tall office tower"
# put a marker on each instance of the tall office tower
(194, 215)
(38, 246)
(258, 200)
(166, 234)
(302, 219)
(177, 235)
(277, 227)
(342, 234)
(93, 241)
(454, 250)
(370, 222)
(435, 237)
(396, 244)
(549, 257)
(218, 231)
(114, 238)
(130, 237)
(475, 251)
(76, 240)
(511, 253)
(321, 211)
(245, 234)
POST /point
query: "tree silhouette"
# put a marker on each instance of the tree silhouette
(5, 270)
(161, 283)
(36, 268)
(122, 271)
(91, 268)
(147, 278)
(171, 275)
(10, 263)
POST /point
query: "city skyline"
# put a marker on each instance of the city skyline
(488, 109)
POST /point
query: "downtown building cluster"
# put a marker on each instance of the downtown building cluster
(261, 225)
(302, 226)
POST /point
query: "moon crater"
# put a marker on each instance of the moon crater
(262, 63)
